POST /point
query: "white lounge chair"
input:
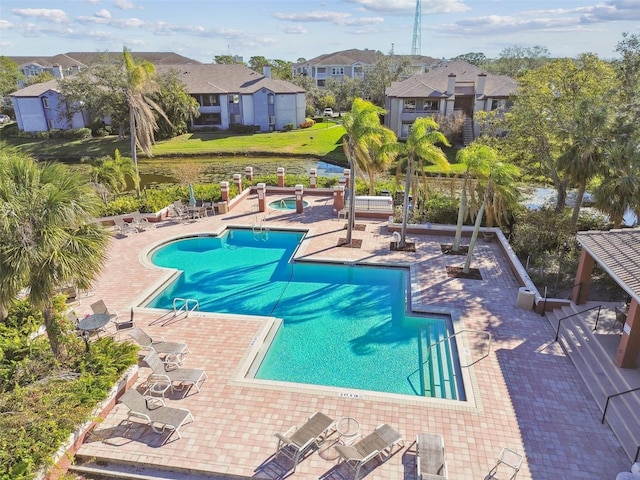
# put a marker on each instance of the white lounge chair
(174, 350)
(123, 227)
(296, 441)
(101, 307)
(153, 412)
(430, 463)
(378, 443)
(140, 222)
(180, 378)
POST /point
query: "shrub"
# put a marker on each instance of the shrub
(437, 209)
(308, 123)
(121, 205)
(288, 127)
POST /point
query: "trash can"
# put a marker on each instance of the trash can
(526, 298)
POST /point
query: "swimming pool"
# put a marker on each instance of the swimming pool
(343, 326)
(286, 204)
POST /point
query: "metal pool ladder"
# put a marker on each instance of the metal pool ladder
(183, 304)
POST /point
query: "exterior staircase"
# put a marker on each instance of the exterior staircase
(467, 132)
(596, 366)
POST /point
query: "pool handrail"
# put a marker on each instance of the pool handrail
(185, 305)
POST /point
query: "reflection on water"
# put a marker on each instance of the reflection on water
(155, 171)
(542, 197)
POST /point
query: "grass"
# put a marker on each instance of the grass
(323, 140)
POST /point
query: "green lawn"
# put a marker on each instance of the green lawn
(323, 140)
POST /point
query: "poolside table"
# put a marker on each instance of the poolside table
(94, 322)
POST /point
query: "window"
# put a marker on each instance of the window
(498, 104)
(430, 105)
(270, 98)
(207, 99)
(234, 98)
(50, 125)
(45, 102)
(337, 71)
(409, 106)
(272, 119)
(208, 119)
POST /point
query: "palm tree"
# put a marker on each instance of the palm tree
(381, 151)
(420, 147)
(500, 183)
(112, 173)
(477, 158)
(584, 158)
(620, 187)
(364, 134)
(48, 236)
(142, 122)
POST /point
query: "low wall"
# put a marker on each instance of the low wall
(64, 456)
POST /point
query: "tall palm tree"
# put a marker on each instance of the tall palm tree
(142, 122)
(381, 151)
(364, 134)
(584, 158)
(500, 183)
(420, 147)
(48, 236)
(620, 187)
(477, 159)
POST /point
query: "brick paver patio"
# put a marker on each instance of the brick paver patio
(527, 395)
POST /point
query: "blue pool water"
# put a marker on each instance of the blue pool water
(286, 204)
(344, 326)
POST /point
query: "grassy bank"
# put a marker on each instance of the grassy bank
(323, 140)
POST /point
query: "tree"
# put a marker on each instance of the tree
(499, 183)
(620, 187)
(583, 160)
(515, 61)
(141, 85)
(345, 90)
(420, 147)
(175, 101)
(363, 129)
(388, 69)
(281, 69)
(112, 173)
(477, 159)
(474, 58)
(10, 75)
(48, 236)
(227, 60)
(42, 77)
(541, 123)
(257, 63)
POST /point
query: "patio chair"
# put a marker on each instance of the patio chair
(140, 222)
(430, 463)
(378, 443)
(101, 307)
(296, 441)
(511, 459)
(180, 378)
(175, 351)
(123, 227)
(153, 412)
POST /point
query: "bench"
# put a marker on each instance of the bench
(370, 206)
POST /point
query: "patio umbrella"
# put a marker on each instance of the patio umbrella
(192, 197)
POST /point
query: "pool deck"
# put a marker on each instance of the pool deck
(527, 395)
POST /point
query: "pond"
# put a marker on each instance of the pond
(155, 171)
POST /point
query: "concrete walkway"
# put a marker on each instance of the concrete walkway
(527, 395)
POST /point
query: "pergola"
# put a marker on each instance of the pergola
(618, 253)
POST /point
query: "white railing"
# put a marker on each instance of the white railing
(182, 305)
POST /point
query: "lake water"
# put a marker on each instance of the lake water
(216, 169)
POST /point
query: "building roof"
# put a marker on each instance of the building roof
(364, 57)
(37, 89)
(618, 253)
(434, 83)
(84, 59)
(223, 79)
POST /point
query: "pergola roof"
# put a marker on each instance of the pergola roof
(618, 253)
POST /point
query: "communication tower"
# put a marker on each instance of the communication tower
(416, 45)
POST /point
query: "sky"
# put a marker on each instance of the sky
(294, 29)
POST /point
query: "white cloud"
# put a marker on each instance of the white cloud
(104, 13)
(294, 29)
(52, 15)
(124, 4)
(5, 25)
(408, 7)
(93, 2)
(336, 18)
